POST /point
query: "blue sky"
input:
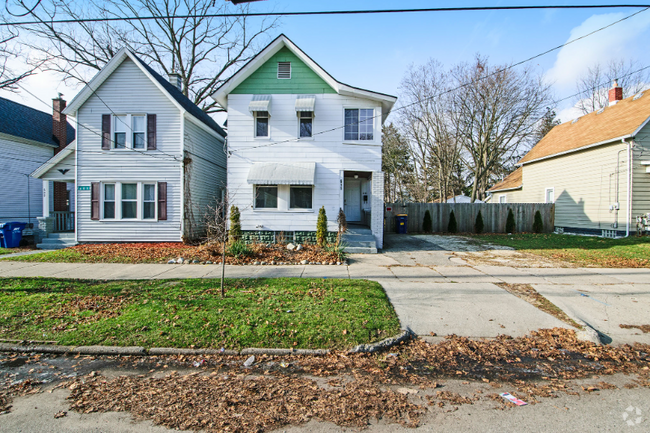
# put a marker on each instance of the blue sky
(375, 51)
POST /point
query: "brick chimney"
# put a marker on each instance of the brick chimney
(59, 123)
(60, 135)
(615, 93)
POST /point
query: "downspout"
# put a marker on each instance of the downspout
(629, 186)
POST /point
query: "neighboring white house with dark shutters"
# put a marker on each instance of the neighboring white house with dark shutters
(300, 140)
(147, 161)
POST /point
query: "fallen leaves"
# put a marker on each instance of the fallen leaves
(643, 328)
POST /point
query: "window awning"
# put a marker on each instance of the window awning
(260, 103)
(281, 173)
(305, 103)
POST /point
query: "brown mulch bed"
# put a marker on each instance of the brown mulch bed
(163, 252)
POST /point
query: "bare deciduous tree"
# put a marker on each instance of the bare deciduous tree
(427, 116)
(495, 115)
(216, 226)
(593, 86)
(9, 51)
(396, 164)
(204, 51)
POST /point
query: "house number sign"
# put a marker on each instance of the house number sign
(83, 188)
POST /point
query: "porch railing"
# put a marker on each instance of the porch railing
(63, 221)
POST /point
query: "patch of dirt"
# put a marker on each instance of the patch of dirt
(517, 259)
(530, 295)
(643, 328)
(163, 252)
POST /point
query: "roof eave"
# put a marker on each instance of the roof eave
(47, 165)
(589, 146)
(505, 189)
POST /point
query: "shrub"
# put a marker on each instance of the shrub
(510, 222)
(235, 224)
(321, 227)
(538, 224)
(452, 227)
(427, 224)
(478, 225)
(239, 249)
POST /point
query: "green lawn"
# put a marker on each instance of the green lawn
(5, 251)
(632, 252)
(65, 255)
(271, 313)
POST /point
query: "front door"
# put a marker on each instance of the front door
(352, 198)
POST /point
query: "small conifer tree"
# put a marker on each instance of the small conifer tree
(452, 227)
(427, 223)
(235, 224)
(478, 225)
(321, 227)
(510, 222)
(538, 224)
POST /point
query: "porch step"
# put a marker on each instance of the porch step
(57, 241)
(359, 241)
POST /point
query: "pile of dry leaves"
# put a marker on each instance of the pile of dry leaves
(163, 252)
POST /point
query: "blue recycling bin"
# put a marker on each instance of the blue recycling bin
(11, 234)
(402, 223)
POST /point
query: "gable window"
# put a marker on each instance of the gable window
(284, 70)
(109, 201)
(261, 124)
(266, 197)
(119, 126)
(359, 124)
(306, 120)
(300, 197)
(138, 128)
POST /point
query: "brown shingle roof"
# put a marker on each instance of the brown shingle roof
(617, 121)
(512, 181)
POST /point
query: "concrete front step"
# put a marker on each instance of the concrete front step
(359, 241)
(57, 241)
(61, 236)
(360, 250)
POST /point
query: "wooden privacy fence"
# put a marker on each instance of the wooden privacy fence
(494, 216)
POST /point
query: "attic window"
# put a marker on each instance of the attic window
(637, 96)
(284, 70)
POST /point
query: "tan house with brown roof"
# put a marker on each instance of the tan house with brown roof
(596, 169)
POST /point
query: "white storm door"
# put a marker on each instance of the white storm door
(352, 200)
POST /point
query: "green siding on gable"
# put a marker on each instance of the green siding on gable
(264, 81)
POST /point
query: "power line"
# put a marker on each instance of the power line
(464, 84)
(337, 12)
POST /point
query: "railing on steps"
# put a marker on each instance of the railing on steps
(63, 221)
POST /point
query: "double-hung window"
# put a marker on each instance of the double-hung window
(149, 201)
(129, 200)
(109, 200)
(120, 126)
(306, 119)
(139, 130)
(300, 197)
(261, 124)
(266, 197)
(359, 124)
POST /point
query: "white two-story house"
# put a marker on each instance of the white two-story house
(147, 162)
(299, 140)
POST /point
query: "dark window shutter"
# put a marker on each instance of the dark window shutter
(94, 201)
(162, 201)
(106, 132)
(151, 132)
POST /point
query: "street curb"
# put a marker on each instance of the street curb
(161, 351)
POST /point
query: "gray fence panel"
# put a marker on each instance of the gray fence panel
(494, 216)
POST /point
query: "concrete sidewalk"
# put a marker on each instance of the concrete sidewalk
(432, 292)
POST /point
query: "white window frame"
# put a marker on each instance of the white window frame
(277, 198)
(268, 128)
(103, 200)
(504, 197)
(299, 116)
(290, 71)
(375, 135)
(128, 125)
(139, 200)
(294, 209)
(552, 189)
(155, 200)
(143, 132)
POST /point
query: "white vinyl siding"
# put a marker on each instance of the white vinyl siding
(326, 149)
(129, 90)
(21, 196)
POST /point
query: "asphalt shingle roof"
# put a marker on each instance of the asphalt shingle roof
(22, 121)
(512, 181)
(183, 100)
